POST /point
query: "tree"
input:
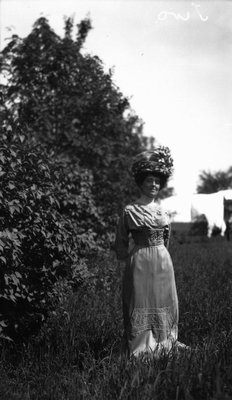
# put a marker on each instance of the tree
(67, 101)
(211, 182)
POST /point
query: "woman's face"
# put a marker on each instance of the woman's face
(150, 186)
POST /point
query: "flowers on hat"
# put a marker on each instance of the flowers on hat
(158, 161)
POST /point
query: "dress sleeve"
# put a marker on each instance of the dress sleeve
(122, 238)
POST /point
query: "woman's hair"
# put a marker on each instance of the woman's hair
(141, 176)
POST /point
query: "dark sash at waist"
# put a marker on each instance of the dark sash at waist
(146, 238)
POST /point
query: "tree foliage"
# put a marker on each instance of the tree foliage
(68, 102)
(211, 182)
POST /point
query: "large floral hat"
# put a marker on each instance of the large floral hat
(157, 161)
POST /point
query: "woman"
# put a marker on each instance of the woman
(150, 304)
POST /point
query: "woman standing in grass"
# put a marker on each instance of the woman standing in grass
(150, 303)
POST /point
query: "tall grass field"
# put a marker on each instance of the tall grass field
(76, 355)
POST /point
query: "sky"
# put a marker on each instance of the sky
(172, 59)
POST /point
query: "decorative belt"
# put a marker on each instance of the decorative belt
(143, 239)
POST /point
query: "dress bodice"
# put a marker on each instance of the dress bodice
(149, 226)
(139, 216)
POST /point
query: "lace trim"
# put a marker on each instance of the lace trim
(159, 320)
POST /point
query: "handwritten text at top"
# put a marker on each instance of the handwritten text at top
(195, 9)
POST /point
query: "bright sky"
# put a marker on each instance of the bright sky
(173, 59)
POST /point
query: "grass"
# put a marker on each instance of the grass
(77, 353)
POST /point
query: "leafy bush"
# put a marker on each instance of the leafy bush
(47, 222)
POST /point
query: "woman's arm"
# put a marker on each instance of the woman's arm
(122, 238)
(167, 234)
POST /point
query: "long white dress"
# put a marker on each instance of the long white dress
(150, 303)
